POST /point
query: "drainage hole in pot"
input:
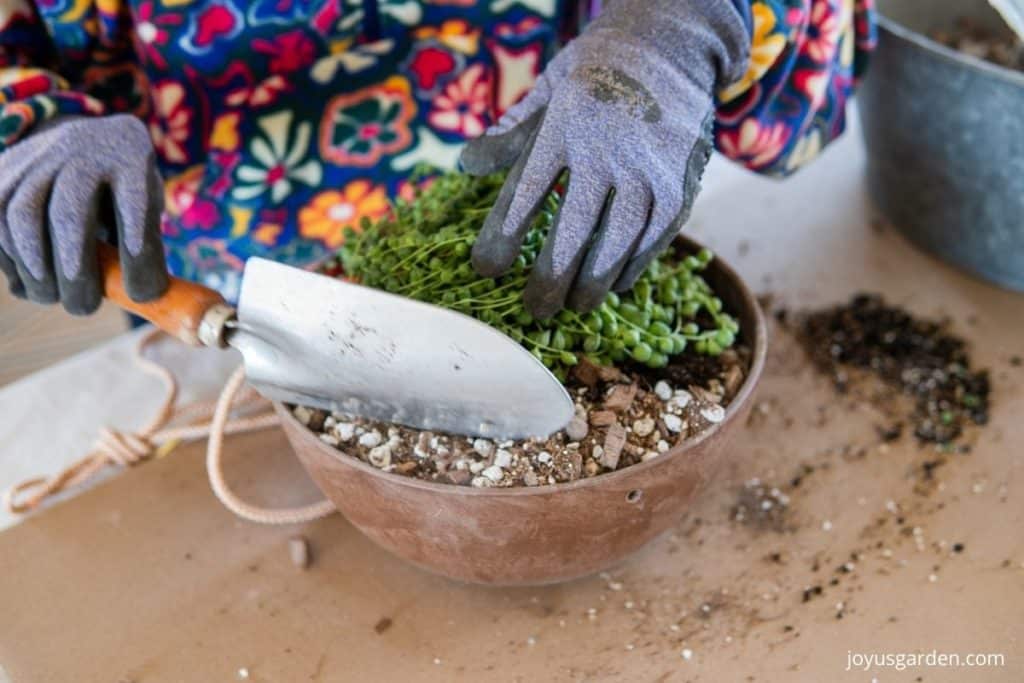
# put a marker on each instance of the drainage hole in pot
(634, 496)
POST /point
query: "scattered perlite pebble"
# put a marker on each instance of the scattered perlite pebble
(380, 456)
(345, 430)
(370, 439)
(303, 415)
(503, 458)
(673, 423)
(531, 641)
(662, 390)
(643, 426)
(494, 473)
(243, 673)
(330, 439)
(713, 413)
(544, 457)
(481, 482)
(826, 525)
(687, 654)
(680, 399)
(298, 550)
(483, 447)
(662, 446)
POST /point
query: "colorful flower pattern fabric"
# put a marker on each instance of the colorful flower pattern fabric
(279, 123)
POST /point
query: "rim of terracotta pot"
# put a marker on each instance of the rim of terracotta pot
(758, 338)
(948, 54)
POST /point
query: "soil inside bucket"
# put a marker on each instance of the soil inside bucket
(623, 417)
(970, 38)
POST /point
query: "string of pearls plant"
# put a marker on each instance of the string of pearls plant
(422, 252)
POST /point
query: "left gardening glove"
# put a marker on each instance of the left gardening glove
(627, 109)
(70, 183)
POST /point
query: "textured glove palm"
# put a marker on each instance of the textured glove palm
(627, 109)
(68, 184)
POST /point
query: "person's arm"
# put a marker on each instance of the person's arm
(69, 175)
(805, 59)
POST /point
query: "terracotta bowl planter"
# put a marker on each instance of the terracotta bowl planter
(543, 534)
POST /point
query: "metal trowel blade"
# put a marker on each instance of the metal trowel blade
(322, 342)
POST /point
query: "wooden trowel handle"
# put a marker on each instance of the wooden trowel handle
(186, 310)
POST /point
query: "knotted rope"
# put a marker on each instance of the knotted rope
(155, 440)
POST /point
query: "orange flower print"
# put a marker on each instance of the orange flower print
(330, 212)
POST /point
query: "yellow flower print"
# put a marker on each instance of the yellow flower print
(330, 212)
(267, 233)
(225, 132)
(240, 219)
(766, 46)
(458, 34)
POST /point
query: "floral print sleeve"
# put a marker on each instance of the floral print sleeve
(65, 57)
(806, 57)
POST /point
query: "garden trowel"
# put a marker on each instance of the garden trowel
(322, 342)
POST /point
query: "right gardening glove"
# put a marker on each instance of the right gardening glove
(627, 109)
(70, 183)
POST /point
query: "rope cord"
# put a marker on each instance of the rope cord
(155, 440)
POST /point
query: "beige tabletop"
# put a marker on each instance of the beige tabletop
(146, 578)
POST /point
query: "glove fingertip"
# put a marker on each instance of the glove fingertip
(543, 296)
(83, 299)
(14, 284)
(491, 260)
(17, 289)
(540, 306)
(144, 285)
(584, 299)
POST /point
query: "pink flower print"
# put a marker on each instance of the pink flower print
(463, 105)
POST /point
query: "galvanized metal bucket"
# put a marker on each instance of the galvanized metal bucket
(945, 139)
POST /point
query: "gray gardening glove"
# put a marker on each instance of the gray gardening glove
(71, 182)
(627, 108)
